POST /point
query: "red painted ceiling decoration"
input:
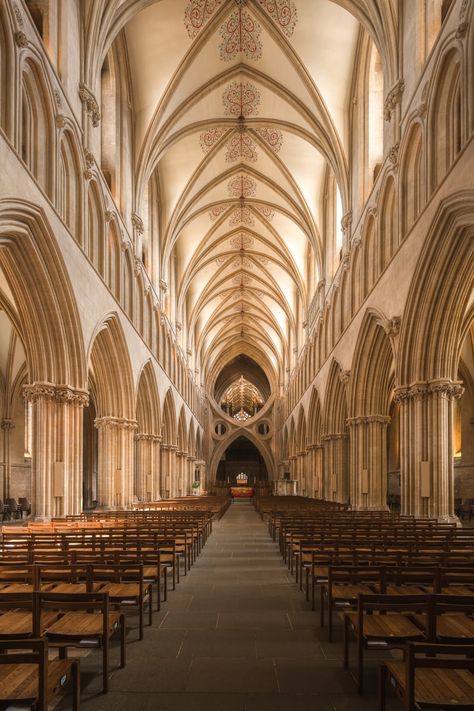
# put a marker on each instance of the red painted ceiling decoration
(265, 212)
(241, 147)
(242, 241)
(272, 137)
(208, 139)
(241, 99)
(197, 13)
(242, 216)
(242, 186)
(283, 12)
(240, 35)
(217, 211)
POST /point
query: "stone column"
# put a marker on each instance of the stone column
(335, 467)
(303, 475)
(368, 462)
(316, 472)
(293, 462)
(173, 469)
(190, 473)
(56, 460)
(165, 472)
(116, 480)
(426, 447)
(156, 467)
(7, 426)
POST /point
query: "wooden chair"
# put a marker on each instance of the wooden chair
(344, 585)
(125, 586)
(85, 621)
(432, 676)
(384, 622)
(28, 677)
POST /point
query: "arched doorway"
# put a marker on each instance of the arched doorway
(241, 456)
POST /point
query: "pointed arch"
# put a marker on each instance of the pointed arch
(169, 419)
(148, 401)
(258, 443)
(387, 223)
(69, 187)
(445, 119)
(37, 137)
(442, 285)
(37, 276)
(412, 177)
(111, 370)
(372, 373)
(95, 247)
(314, 418)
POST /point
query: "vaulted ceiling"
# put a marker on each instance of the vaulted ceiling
(241, 112)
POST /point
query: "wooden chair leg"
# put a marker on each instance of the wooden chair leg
(346, 643)
(360, 663)
(140, 619)
(382, 686)
(123, 632)
(76, 685)
(105, 666)
(150, 605)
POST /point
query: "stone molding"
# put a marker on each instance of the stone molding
(369, 419)
(334, 437)
(92, 107)
(58, 393)
(449, 389)
(118, 422)
(142, 436)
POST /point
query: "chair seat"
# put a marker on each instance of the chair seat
(463, 590)
(76, 588)
(349, 592)
(454, 627)
(395, 626)
(20, 622)
(121, 591)
(407, 590)
(17, 588)
(81, 624)
(445, 687)
(20, 681)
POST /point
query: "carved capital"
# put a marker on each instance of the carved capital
(39, 391)
(393, 98)
(442, 387)
(122, 423)
(92, 107)
(71, 396)
(60, 121)
(163, 285)
(90, 163)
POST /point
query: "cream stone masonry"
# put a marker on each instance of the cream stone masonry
(288, 217)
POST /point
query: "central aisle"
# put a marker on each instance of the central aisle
(236, 635)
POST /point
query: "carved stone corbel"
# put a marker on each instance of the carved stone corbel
(92, 107)
(393, 98)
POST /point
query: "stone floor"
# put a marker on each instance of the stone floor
(236, 635)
